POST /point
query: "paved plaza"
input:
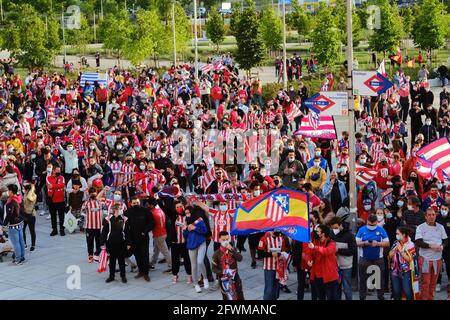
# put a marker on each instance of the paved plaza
(44, 276)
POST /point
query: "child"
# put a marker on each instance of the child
(76, 199)
(115, 235)
(29, 204)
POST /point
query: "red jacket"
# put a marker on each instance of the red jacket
(56, 188)
(160, 222)
(324, 261)
(102, 95)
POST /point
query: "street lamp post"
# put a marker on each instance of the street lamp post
(284, 47)
(101, 8)
(174, 35)
(351, 108)
(195, 41)
(63, 35)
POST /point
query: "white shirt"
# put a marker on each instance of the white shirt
(431, 235)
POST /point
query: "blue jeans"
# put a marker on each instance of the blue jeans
(16, 237)
(346, 283)
(271, 285)
(402, 283)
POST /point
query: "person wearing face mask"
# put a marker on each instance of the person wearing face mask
(433, 199)
(316, 176)
(414, 216)
(402, 258)
(443, 219)
(335, 191)
(108, 176)
(324, 271)
(141, 223)
(343, 175)
(224, 264)
(318, 155)
(223, 220)
(178, 248)
(429, 131)
(92, 210)
(271, 246)
(291, 170)
(431, 238)
(56, 196)
(290, 147)
(372, 239)
(70, 159)
(346, 249)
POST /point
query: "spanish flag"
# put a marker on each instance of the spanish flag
(281, 209)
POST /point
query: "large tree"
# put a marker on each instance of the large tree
(326, 38)
(386, 37)
(250, 45)
(430, 25)
(24, 36)
(215, 28)
(80, 37)
(299, 20)
(141, 43)
(115, 31)
(236, 11)
(340, 13)
(272, 30)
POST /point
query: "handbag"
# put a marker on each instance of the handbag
(70, 222)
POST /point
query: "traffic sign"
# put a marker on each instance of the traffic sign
(329, 103)
(369, 83)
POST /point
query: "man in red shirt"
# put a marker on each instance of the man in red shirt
(160, 103)
(102, 97)
(56, 188)
(216, 95)
(159, 236)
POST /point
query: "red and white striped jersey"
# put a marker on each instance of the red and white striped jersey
(128, 171)
(91, 131)
(24, 128)
(116, 167)
(180, 222)
(270, 243)
(93, 210)
(375, 149)
(223, 221)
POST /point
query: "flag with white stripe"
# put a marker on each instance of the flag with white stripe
(278, 206)
(434, 159)
(92, 76)
(316, 126)
(208, 178)
(364, 175)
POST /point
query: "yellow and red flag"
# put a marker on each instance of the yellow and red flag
(281, 209)
(410, 63)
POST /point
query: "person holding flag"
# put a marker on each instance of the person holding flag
(271, 247)
(224, 264)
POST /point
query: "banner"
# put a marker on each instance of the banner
(322, 127)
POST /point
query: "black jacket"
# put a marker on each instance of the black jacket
(115, 231)
(141, 222)
(12, 215)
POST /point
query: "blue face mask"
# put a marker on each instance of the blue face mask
(400, 203)
(388, 215)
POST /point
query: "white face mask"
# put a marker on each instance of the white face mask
(142, 167)
(317, 153)
(400, 203)
(362, 161)
(367, 207)
(256, 193)
(398, 237)
(428, 123)
(92, 147)
(410, 207)
(336, 231)
(49, 170)
(117, 197)
(444, 213)
(223, 207)
(439, 185)
(163, 155)
(380, 218)
(224, 243)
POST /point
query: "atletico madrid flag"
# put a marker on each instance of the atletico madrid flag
(281, 209)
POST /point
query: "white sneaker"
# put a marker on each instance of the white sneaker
(438, 288)
(197, 288)
(205, 284)
(41, 213)
(48, 217)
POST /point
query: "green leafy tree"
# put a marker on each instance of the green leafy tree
(387, 37)
(215, 28)
(272, 30)
(340, 13)
(407, 19)
(300, 20)
(430, 25)
(326, 38)
(80, 38)
(183, 31)
(235, 17)
(53, 39)
(115, 31)
(24, 37)
(250, 45)
(141, 43)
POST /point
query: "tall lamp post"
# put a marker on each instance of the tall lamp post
(351, 108)
(195, 41)
(174, 35)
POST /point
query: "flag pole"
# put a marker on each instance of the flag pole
(351, 111)
(195, 41)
